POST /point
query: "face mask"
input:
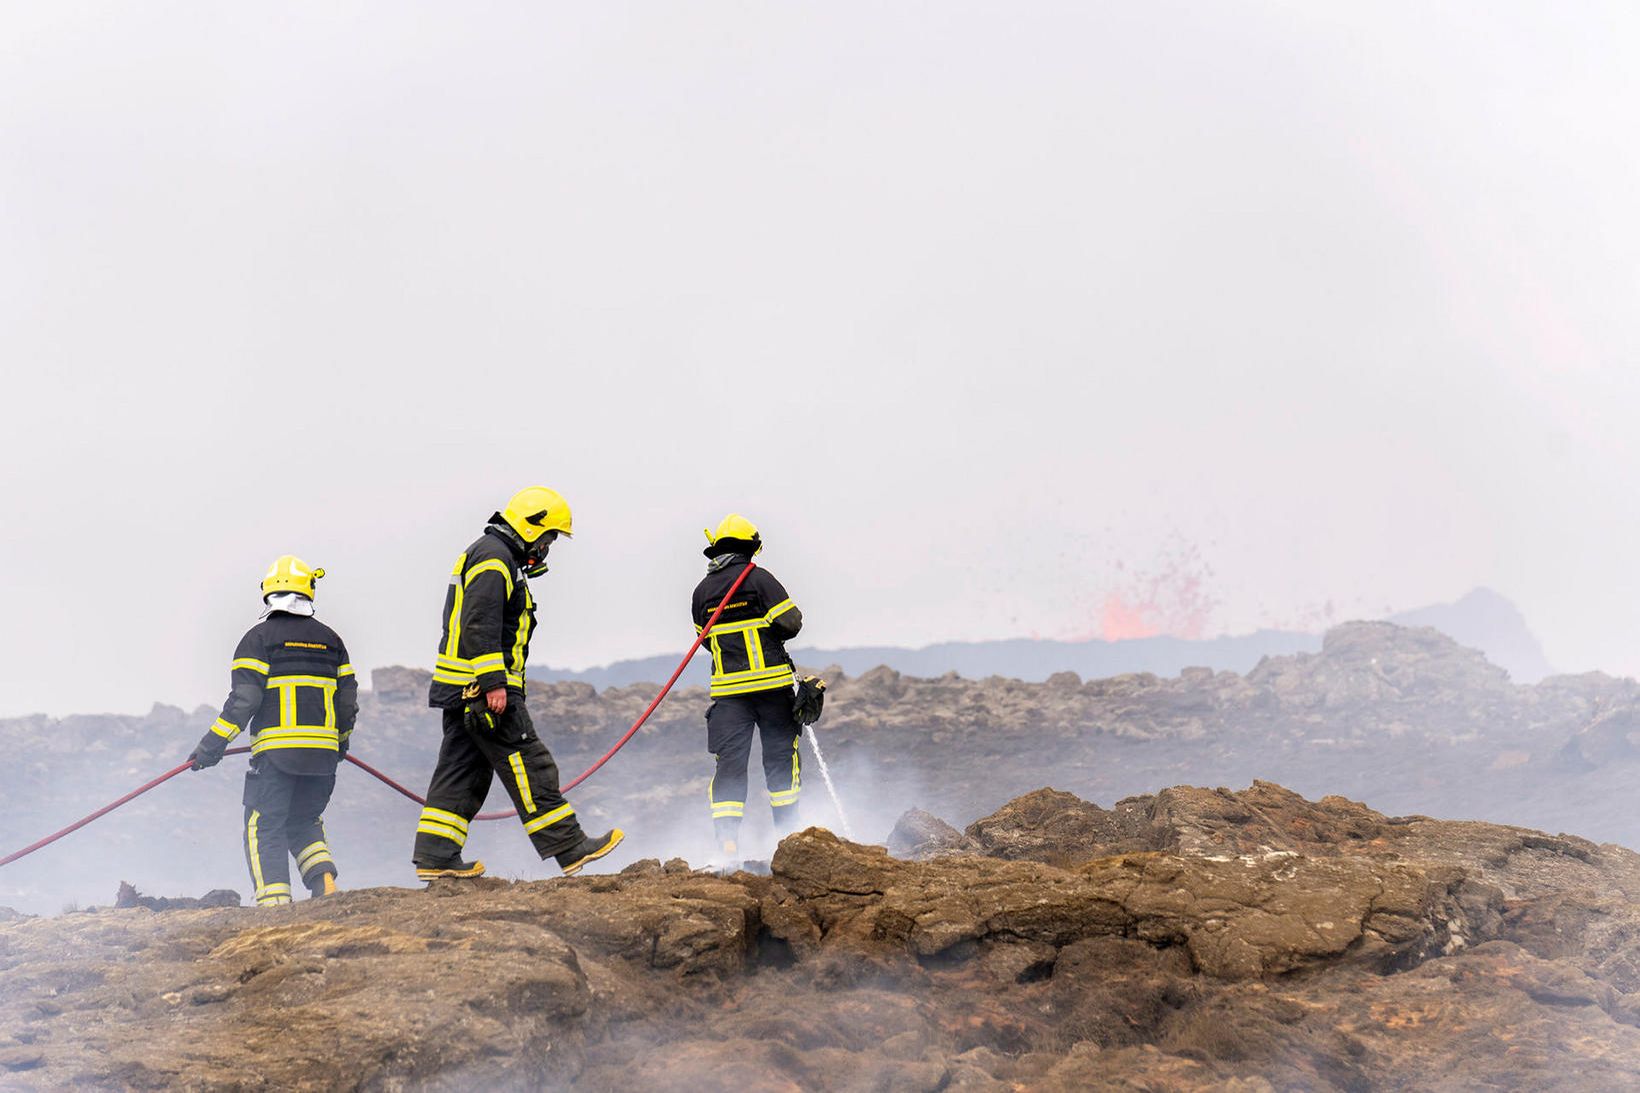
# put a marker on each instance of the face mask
(535, 562)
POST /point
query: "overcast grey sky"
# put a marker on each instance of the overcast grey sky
(980, 309)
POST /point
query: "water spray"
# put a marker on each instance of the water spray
(825, 774)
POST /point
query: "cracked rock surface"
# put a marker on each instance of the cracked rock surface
(1196, 939)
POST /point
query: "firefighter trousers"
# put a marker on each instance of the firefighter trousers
(283, 820)
(502, 744)
(730, 724)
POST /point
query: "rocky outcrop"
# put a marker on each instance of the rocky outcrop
(1234, 918)
(1403, 718)
(1193, 940)
(128, 897)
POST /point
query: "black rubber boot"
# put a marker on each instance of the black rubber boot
(589, 849)
(455, 867)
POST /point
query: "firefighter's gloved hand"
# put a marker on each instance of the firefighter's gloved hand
(475, 715)
(496, 698)
(809, 701)
(204, 757)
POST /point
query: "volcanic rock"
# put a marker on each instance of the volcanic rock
(1051, 826)
(128, 896)
(920, 835)
(1195, 940)
(1402, 717)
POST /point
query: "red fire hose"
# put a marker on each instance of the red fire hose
(390, 783)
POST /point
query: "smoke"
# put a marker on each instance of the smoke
(670, 822)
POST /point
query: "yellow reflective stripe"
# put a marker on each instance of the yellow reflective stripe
(311, 853)
(493, 565)
(452, 644)
(432, 822)
(439, 827)
(322, 737)
(254, 850)
(227, 730)
(547, 819)
(252, 663)
(722, 808)
(754, 651)
(444, 676)
(325, 682)
(286, 686)
(720, 689)
(739, 627)
(443, 817)
(344, 671)
(779, 609)
(523, 633)
(489, 662)
(522, 780)
(717, 654)
(752, 681)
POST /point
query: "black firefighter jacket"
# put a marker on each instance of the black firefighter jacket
(748, 643)
(489, 616)
(294, 691)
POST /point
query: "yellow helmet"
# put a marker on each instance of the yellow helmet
(736, 526)
(288, 573)
(535, 511)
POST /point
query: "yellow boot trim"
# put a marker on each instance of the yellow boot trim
(476, 869)
(615, 838)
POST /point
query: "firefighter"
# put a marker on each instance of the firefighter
(752, 678)
(294, 691)
(478, 681)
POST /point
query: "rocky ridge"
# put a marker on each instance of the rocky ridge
(1403, 718)
(1190, 939)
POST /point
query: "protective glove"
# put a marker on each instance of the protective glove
(205, 757)
(477, 717)
(809, 700)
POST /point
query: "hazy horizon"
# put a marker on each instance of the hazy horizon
(1001, 322)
